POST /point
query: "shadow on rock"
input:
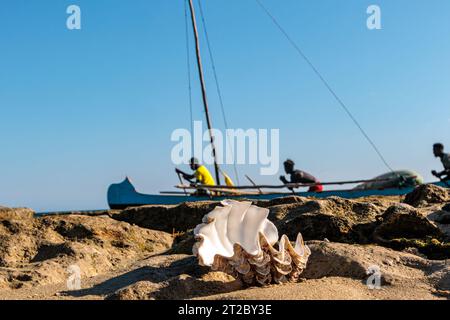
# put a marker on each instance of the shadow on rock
(167, 218)
(183, 279)
(153, 274)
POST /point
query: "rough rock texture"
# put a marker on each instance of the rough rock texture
(402, 221)
(186, 216)
(343, 260)
(176, 277)
(39, 250)
(328, 261)
(18, 213)
(146, 253)
(167, 218)
(332, 215)
(427, 194)
(334, 218)
(180, 287)
(381, 220)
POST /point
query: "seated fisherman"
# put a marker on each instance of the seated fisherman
(201, 174)
(298, 176)
(438, 150)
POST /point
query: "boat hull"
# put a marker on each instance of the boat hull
(123, 195)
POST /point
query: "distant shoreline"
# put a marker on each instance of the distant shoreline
(68, 212)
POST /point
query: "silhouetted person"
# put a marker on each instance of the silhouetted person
(298, 176)
(438, 150)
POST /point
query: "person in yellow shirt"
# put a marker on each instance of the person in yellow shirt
(201, 174)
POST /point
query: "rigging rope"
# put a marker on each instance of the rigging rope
(327, 85)
(189, 71)
(219, 92)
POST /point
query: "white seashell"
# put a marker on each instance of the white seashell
(237, 238)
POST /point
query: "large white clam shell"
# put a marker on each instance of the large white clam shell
(238, 238)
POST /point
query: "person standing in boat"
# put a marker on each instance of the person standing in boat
(201, 174)
(298, 176)
(438, 150)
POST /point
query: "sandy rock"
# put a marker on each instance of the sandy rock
(440, 278)
(15, 214)
(167, 218)
(176, 277)
(403, 221)
(186, 216)
(39, 250)
(414, 251)
(354, 261)
(181, 287)
(334, 218)
(403, 227)
(331, 265)
(280, 201)
(186, 287)
(426, 194)
(141, 290)
(121, 256)
(334, 288)
(364, 221)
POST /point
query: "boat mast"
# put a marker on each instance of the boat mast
(202, 83)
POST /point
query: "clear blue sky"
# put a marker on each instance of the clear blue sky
(81, 109)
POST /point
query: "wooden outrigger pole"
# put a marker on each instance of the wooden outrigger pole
(204, 97)
(289, 185)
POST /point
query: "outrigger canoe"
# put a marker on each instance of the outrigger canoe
(124, 194)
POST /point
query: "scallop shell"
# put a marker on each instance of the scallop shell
(237, 238)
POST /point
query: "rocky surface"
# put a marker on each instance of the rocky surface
(329, 261)
(145, 253)
(36, 251)
(167, 218)
(427, 194)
